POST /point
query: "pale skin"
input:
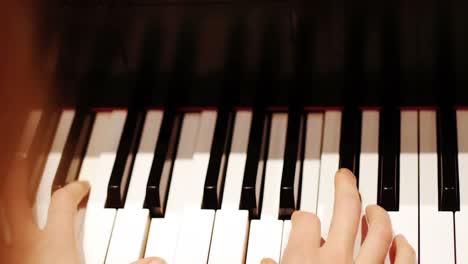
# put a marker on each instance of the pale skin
(23, 242)
(306, 245)
(56, 243)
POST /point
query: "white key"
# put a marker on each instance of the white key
(113, 133)
(162, 238)
(90, 162)
(132, 222)
(229, 241)
(264, 240)
(266, 232)
(96, 233)
(461, 217)
(50, 169)
(330, 159)
(436, 228)
(128, 236)
(369, 157)
(183, 165)
(194, 182)
(236, 163)
(287, 223)
(164, 232)
(194, 238)
(311, 164)
(368, 171)
(285, 237)
(274, 167)
(310, 171)
(230, 232)
(98, 222)
(405, 221)
(144, 160)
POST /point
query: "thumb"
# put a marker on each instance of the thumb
(64, 203)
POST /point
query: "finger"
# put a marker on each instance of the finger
(64, 203)
(268, 261)
(346, 213)
(150, 261)
(379, 236)
(401, 251)
(304, 238)
(305, 230)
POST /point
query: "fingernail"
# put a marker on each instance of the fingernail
(347, 172)
(85, 183)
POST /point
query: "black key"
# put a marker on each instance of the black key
(350, 145)
(161, 169)
(40, 147)
(292, 165)
(123, 165)
(74, 150)
(252, 185)
(218, 161)
(447, 149)
(389, 159)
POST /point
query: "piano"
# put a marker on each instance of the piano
(202, 125)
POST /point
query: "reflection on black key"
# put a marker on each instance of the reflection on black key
(255, 164)
(292, 165)
(74, 150)
(350, 145)
(448, 164)
(389, 159)
(128, 146)
(218, 159)
(161, 169)
(40, 148)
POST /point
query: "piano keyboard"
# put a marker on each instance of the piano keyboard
(220, 187)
